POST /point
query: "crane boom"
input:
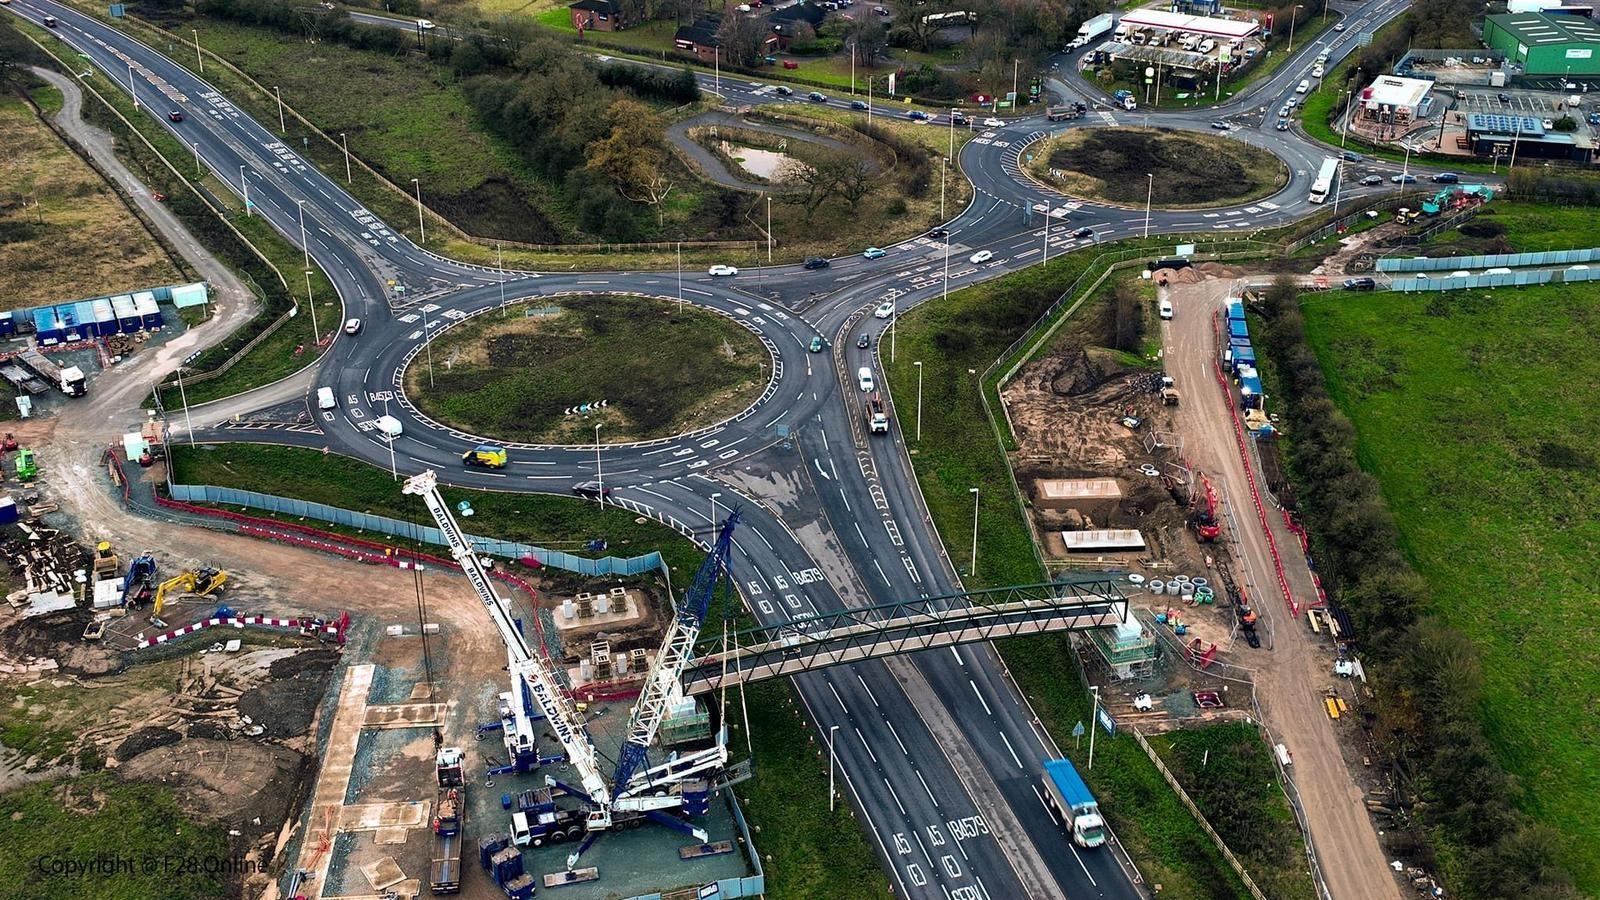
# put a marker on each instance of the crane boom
(662, 688)
(528, 671)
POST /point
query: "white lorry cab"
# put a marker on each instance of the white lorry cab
(325, 398)
(389, 427)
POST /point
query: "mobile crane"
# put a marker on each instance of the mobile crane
(634, 791)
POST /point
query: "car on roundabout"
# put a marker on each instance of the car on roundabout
(863, 340)
(816, 344)
(993, 122)
(817, 97)
(1220, 125)
(1283, 125)
(1403, 179)
(1084, 233)
(874, 253)
(485, 456)
(884, 310)
(982, 256)
(817, 262)
(722, 271)
(175, 116)
(591, 489)
(938, 232)
(1372, 179)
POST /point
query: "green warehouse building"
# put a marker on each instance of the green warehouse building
(1545, 44)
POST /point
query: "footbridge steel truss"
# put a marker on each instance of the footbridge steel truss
(827, 639)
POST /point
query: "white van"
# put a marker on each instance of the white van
(1166, 309)
(1305, 85)
(864, 378)
(390, 426)
(325, 398)
(1497, 271)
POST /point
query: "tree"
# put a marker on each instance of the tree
(871, 40)
(855, 178)
(742, 37)
(631, 156)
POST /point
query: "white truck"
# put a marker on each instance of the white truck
(873, 412)
(69, 380)
(1094, 29)
(1074, 803)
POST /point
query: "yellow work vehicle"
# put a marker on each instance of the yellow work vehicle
(200, 582)
(485, 456)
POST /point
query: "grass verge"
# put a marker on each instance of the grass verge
(1473, 410)
(662, 370)
(813, 853)
(71, 236)
(1190, 171)
(135, 832)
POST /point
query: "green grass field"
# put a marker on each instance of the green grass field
(136, 831)
(1475, 411)
(1192, 171)
(662, 370)
(813, 853)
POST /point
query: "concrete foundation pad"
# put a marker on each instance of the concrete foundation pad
(371, 816)
(404, 715)
(383, 872)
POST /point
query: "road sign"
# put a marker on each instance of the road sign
(116, 10)
(1106, 722)
(1077, 733)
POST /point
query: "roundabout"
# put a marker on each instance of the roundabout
(1174, 169)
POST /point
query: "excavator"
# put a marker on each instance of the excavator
(201, 582)
(1204, 520)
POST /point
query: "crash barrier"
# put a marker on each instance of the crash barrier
(335, 628)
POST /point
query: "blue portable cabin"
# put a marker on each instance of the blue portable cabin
(8, 324)
(1235, 310)
(149, 312)
(71, 328)
(127, 316)
(1244, 356)
(105, 318)
(46, 326)
(1249, 387)
(86, 318)
(1236, 328)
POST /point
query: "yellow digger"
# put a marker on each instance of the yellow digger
(200, 582)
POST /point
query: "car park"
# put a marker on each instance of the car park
(175, 116)
(1359, 284)
(874, 253)
(858, 104)
(816, 344)
(864, 379)
(1166, 309)
(992, 122)
(816, 262)
(1283, 124)
(863, 340)
(1372, 179)
(591, 489)
(721, 271)
(982, 256)
(352, 326)
(817, 97)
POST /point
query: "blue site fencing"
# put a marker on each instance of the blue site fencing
(582, 565)
(1519, 278)
(1500, 260)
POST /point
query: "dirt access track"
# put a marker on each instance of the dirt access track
(1291, 678)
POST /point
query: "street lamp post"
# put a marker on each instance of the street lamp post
(198, 59)
(421, 226)
(942, 164)
(769, 229)
(947, 267)
(832, 765)
(131, 91)
(1149, 194)
(184, 395)
(1293, 15)
(1405, 169)
(973, 572)
(199, 170)
(500, 264)
(714, 510)
(427, 343)
(346, 142)
(1349, 110)
(282, 128)
(245, 186)
(305, 247)
(599, 477)
(918, 364)
(680, 275)
(316, 336)
(1094, 714)
(394, 470)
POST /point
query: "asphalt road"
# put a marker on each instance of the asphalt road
(941, 753)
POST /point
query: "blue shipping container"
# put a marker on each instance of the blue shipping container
(71, 329)
(1235, 311)
(149, 312)
(46, 325)
(127, 315)
(8, 324)
(105, 318)
(86, 318)
(1236, 328)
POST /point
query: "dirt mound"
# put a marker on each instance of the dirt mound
(286, 706)
(322, 660)
(145, 739)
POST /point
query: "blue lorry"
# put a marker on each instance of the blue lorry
(1074, 803)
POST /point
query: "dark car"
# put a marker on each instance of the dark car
(1359, 284)
(1447, 178)
(1352, 156)
(959, 118)
(816, 262)
(1372, 179)
(817, 97)
(1503, 98)
(816, 345)
(784, 91)
(864, 340)
(175, 116)
(49, 21)
(591, 489)
(1403, 179)
(939, 232)
(1083, 233)
(917, 115)
(858, 104)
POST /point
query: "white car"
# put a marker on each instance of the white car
(352, 326)
(722, 270)
(864, 379)
(1166, 309)
(424, 24)
(884, 310)
(992, 122)
(982, 256)
(1338, 26)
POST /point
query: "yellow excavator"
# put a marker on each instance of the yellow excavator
(200, 582)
